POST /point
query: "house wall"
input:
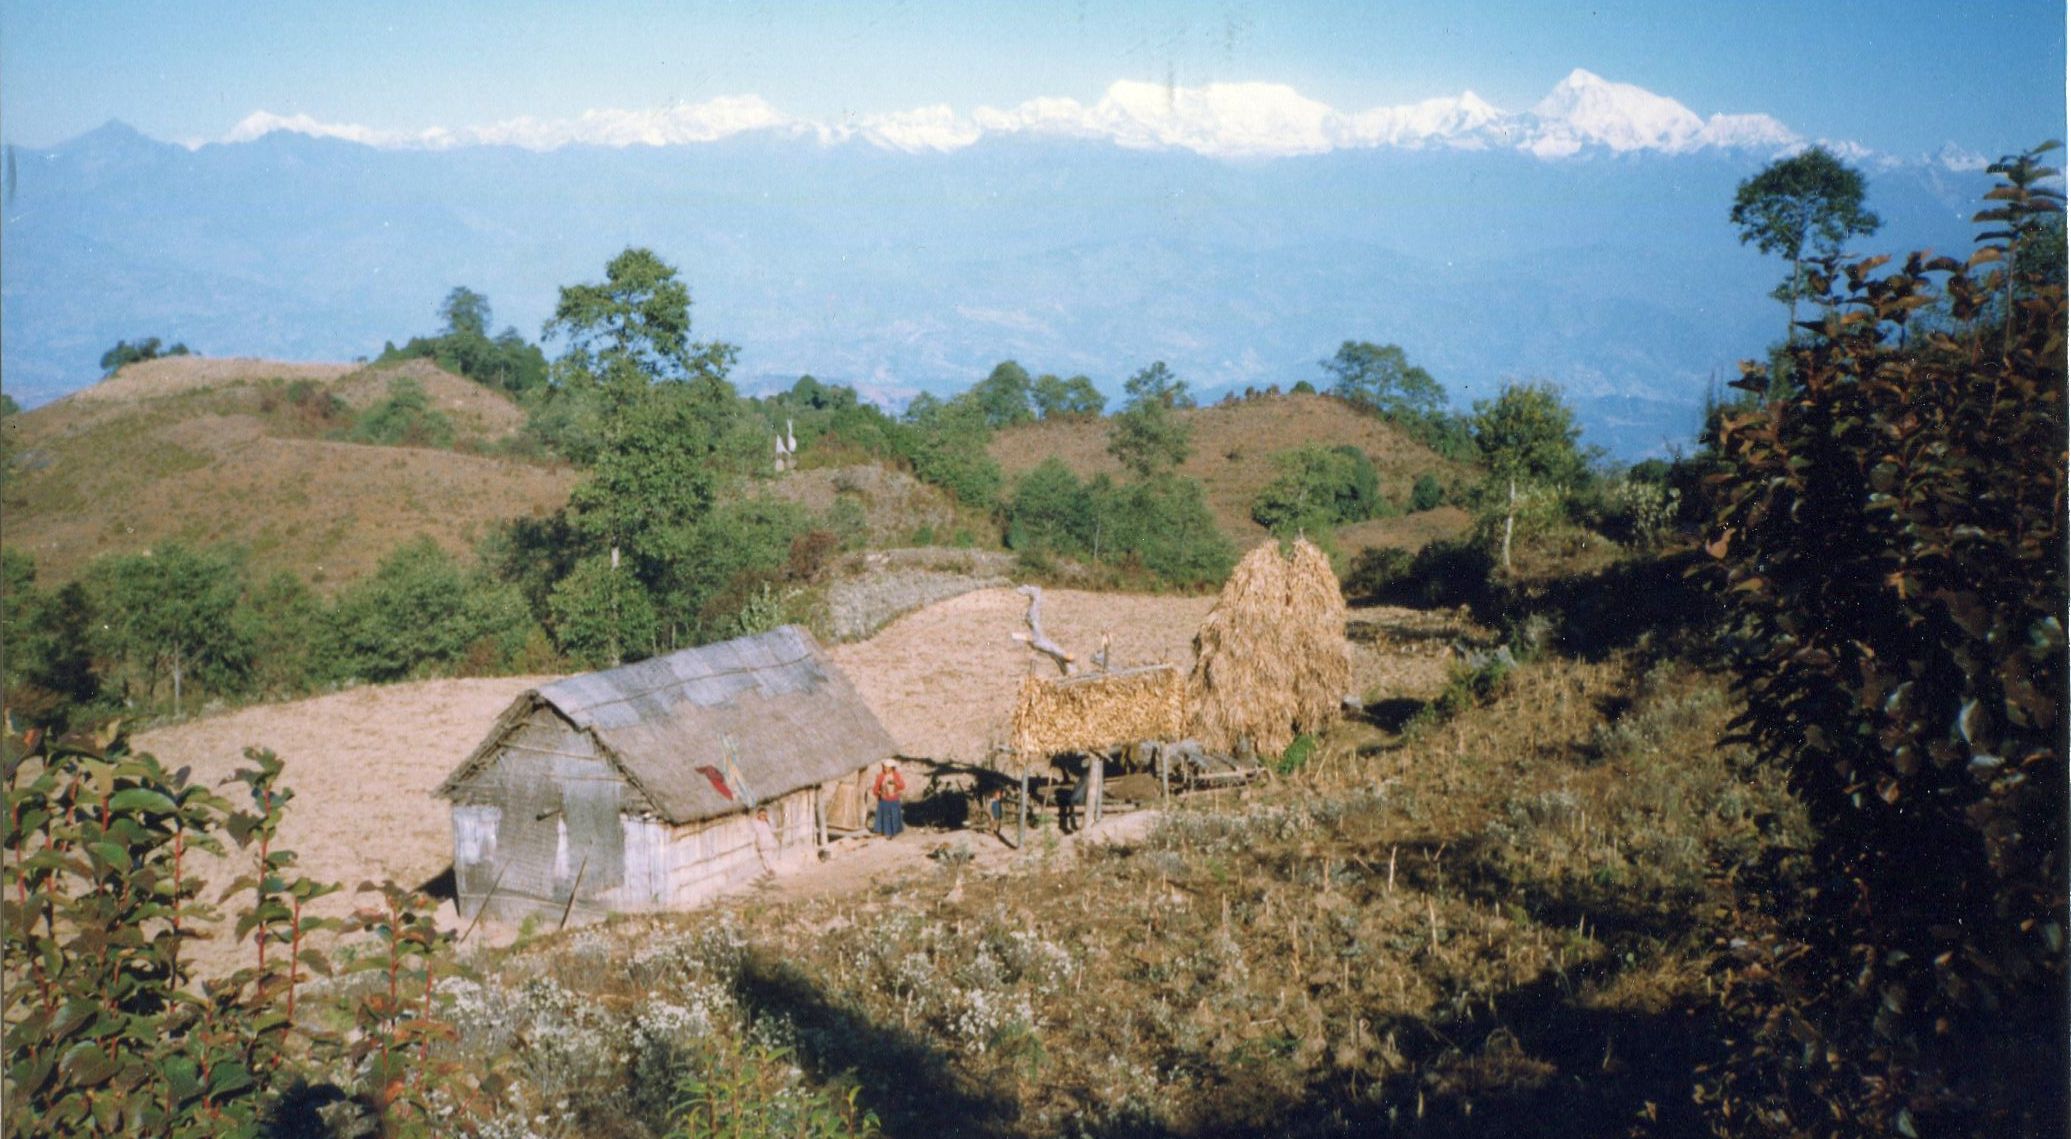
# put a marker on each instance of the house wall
(707, 859)
(528, 834)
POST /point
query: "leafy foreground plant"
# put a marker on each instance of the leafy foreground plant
(109, 1033)
(1891, 537)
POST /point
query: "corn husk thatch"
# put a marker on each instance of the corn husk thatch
(1099, 710)
(1271, 660)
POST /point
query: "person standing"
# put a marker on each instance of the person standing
(890, 790)
(766, 841)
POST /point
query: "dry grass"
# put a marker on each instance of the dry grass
(1233, 458)
(1498, 928)
(1271, 660)
(195, 450)
(1097, 711)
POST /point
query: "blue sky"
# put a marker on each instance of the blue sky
(1902, 78)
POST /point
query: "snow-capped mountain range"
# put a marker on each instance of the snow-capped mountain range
(1224, 120)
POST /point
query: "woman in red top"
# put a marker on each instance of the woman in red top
(889, 788)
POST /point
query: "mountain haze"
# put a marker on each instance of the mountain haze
(1584, 241)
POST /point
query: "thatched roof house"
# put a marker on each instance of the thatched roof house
(633, 788)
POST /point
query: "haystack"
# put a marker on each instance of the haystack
(1271, 660)
(1095, 711)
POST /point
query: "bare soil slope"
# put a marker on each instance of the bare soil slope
(1233, 448)
(362, 764)
(206, 450)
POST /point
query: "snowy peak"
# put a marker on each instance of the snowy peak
(1586, 109)
(1582, 112)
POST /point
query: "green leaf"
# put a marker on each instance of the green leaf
(141, 799)
(227, 1078)
(182, 1075)
(85, 1064)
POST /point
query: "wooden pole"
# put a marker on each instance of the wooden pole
(1021, 827)
(1099, 790)
(570, 907)
(1509, 522)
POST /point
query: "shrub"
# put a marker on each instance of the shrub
(1635, 513)
(1890, 536)
(1426, 493)
(1317, 488)
(1377, 573)
(1164, 523)
(109, 1031)
(1451, 572)
(405, 418)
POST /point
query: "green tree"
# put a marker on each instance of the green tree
(1145, 436)
(1052, 510)
(466, 313)
(1807, 204)
(1529, 434)
(1156, 384)
(1075, 398)
(125, 353)
(1380, 376)
(169, 615)
(633, 329)
(663, 415)
(283, 621)
(1318, 488)
(1164, 523)
(419, 614)
(602, 614)
(46, 666)
(1003, 396)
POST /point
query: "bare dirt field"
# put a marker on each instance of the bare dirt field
(362, 764)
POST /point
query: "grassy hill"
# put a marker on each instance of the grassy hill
(236, 450)
(1233, 449)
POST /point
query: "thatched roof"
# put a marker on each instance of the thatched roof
(1271, 659)
(1096, 711)
(792, 720)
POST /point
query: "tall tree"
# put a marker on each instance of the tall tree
(1528, 433)
(1807, 204)
(1004, 395)
(1156, 384)
(466, 312)
(634, 328)
(1381, 377)
(1146, 436)
(1074, 398)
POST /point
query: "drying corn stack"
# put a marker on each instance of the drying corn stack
(1097, 711)
(1271, 660)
